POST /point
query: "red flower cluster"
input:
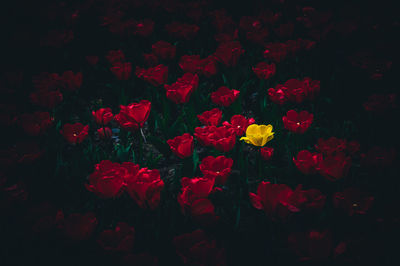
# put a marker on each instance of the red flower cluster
(182, 89)
(210, 118)
(143, 27)
(352, 201)
(294, 91)
(194, 198)
(182, 146)
(78, 226)
(229, 53)
(307, 162)
(267, 153)
(150, 60)
(297, 122)
(254, 29)
(34, 124)
(48, 87)
(75, 133)
(224, 96)
(115, 56)
(164, 50)
(279, 51)
(70, 81)
(121, 69)
(195, 65)
(239, 124)
(279, 200)
(133, 116)
(222, 138)
(218, 168)
(103, 116)
(264, 70)
(48, 99)
(156, 76)
(331, 161)
(110, 179)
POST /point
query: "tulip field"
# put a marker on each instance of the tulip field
(199, 133)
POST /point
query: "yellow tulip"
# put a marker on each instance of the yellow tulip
(258, 135)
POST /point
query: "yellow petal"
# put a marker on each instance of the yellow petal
(252, 130)
(257, 140)
(247, 140)
(265, 130)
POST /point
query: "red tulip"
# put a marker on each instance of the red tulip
(75, 133)
(104, 132)
(266, 153)
(195, 65)
(202, 134)
(264, 70)
(79, 226)
(276, 199)
(277, 96)
(156, 76)
(239, 124)
(223, 138)
(229, 52)
(352, 201)
(334, 167)
(211, 117)
(150, 59)
(218, 168)
(122, 71)
(307, 162)
(297, 122)
(331, 146)
(134, 115)
(224, 96)
(108, 178)
(115, 56)
(48, 99)
(71, 81)
(103, 116)
(191, 64)
(315, 200)
(143, 27)
(209, 66)
(295, 91)
(275, 51)
(145, 188)
(182, 89)
(193, 198)
(164, 50)
(182, 146)
(36, 123)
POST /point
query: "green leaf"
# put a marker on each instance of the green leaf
(226, 83)
(195, 160)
